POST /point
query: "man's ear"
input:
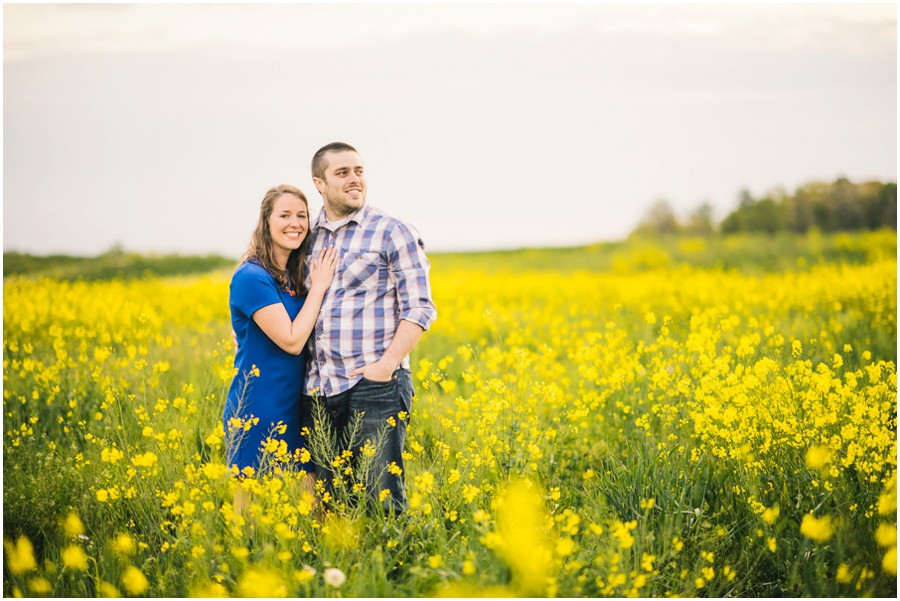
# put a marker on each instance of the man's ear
(319, 183)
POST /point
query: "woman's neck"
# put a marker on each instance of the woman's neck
(281, 259)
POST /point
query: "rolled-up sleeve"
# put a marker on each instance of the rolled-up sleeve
(409, 271)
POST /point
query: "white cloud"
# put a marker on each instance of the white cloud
(31, 30)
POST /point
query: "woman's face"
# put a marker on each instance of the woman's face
(288, 223)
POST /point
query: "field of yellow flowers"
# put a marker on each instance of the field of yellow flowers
(647, 427)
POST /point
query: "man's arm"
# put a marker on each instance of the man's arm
(408, 267)
(405, 339)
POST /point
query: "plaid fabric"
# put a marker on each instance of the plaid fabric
(382, 278)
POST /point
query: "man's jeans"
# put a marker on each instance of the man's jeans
(380, 405)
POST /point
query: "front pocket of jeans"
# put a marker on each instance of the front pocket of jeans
(377, 383)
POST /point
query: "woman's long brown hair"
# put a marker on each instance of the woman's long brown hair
(262, 249)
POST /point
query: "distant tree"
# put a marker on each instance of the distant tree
(736, 220)
(659, 219)
(887, 206)
(801, 206)
(700, 221)
(879, 205)
(838, 206)
(845, 205)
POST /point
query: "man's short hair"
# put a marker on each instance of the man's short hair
(318, 161)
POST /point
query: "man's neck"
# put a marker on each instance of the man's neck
(332, 217)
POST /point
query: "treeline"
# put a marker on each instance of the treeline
(840, 206)
(113, 264)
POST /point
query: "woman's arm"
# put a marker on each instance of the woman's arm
(273, 320)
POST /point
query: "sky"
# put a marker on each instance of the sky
(160, 127)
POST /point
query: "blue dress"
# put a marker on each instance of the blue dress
(271, 394)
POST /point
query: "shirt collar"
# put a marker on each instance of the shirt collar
(358, 217)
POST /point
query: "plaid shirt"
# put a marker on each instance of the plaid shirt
(381, 278)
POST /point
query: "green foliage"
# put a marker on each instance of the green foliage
(114, 264)
(837, 207)
(747, 253)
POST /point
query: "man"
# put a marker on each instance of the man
(372, 317)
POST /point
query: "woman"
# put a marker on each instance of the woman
(272, 316)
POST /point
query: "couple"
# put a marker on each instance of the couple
(336, 329)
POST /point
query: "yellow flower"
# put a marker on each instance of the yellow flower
(122, 544)
(621, 531)
(341, 532)
(435, 561)
(771, 514)
(843, 574)
(818, 529)
(147, 459)
(521, 538)
(886, 535)
(817, 457)
(368, 449)
(73, 557)
(889, 561)
(19, 556)
(305, 575)
(134, 581)
(111, 455)
(108, 590)
(261, 582)
(212, 590)
(424, 482)
(40, 585)
(565, 546)
(73, 526)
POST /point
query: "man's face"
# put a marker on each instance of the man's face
(344, 188)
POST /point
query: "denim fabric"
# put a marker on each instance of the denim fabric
(377, 402)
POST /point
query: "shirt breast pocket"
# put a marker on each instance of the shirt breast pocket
(361, 271)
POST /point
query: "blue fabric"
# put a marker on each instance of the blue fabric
(374, 402)
(274, 395)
